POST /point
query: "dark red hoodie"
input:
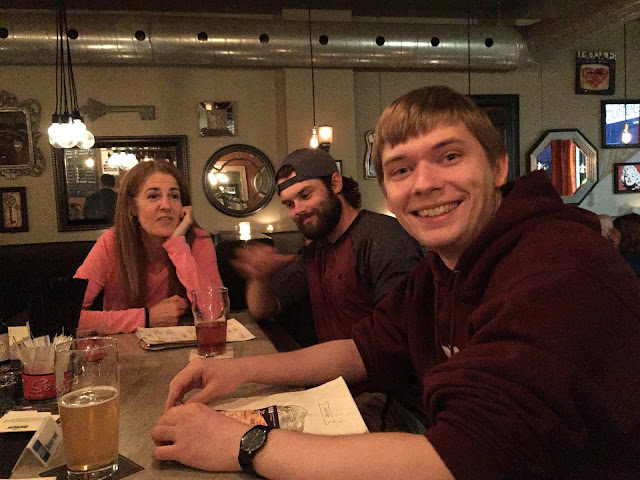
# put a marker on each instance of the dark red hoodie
(542, 315)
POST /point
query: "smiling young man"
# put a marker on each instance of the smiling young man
(440, 197)
(507, 324)
(354, 258)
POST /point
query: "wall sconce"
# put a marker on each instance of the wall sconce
(270, 228)
(325, 137)
(245, 230)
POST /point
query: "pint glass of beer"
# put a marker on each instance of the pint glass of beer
(88, 389)
(210, 309)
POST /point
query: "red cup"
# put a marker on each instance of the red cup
(38, 387)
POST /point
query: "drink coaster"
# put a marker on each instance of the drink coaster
(125, 468)
(228, 353)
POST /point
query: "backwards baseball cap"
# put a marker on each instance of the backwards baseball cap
(307, 163)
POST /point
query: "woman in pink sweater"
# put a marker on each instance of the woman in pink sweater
(154, 256)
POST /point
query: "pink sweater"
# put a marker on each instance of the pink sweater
(196, 268)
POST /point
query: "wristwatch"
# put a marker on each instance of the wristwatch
(250, 445)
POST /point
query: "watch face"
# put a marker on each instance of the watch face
(253, 439)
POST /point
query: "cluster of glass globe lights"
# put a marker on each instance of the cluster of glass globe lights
(68, 131)
(124, 160)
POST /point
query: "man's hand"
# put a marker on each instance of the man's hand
(167, 312)
(198, 436)
(186, 221)
(215, 376)
(258, 261)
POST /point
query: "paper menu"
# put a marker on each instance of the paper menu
(23, 420)
(325, 410)
(167, 337)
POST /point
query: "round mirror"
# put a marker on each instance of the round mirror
(239, 180)
(570, 160)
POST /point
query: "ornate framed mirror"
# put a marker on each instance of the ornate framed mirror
(239, 180)
(83, 178)
(570, 160)
(19, 137)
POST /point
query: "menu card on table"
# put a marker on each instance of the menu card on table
(19, 443)
(158, 338)
(325, 410)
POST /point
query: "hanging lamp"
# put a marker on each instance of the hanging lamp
(67, 128)
(321, 136)
(313, 143)
(626, 134)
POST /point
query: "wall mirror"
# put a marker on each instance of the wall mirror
(19, 136)
(570, 160)
(239, 180)
(504, 113)
(86, 180)
(614, 115)
(216, 119)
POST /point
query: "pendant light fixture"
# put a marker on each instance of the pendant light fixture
(313, 143)
(626, 134)
(321, 136)
(67, 129)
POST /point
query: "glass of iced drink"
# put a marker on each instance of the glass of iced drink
(88, 390)
(210, 309)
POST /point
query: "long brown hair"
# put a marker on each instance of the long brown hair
(629, 226)
(131, 255)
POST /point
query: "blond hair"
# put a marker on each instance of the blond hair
(420, 111)
(131, 255)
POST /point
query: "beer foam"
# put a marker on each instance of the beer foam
(88, 396)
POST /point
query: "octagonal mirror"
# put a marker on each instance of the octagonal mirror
(570, 160)
(239, 180)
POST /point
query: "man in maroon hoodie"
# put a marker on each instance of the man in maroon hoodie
(522, 326)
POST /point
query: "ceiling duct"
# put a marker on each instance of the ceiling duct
(546, 37)
(143, 39)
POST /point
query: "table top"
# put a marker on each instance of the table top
(144, 382)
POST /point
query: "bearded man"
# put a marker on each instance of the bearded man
(353, 259)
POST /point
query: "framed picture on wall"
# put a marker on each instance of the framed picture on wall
(369, 171)
(13, 206)
(626, 178)
(595, 73)
(620, 118)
